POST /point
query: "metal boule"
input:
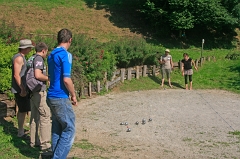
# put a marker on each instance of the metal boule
(126, 123)
(121, 123)
(137, 123)
(128, 130)
(150, 119)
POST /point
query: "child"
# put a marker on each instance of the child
(187, 69)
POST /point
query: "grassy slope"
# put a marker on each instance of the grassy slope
(222, 74)
(49, 16)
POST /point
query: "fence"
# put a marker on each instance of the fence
(120, 75)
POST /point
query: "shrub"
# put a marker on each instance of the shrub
(233, 56)
(10, 33)
(90, 61)
(6, 54)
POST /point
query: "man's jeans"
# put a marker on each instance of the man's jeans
(63, 126)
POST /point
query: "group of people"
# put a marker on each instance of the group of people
(52, 119)
(166, 63)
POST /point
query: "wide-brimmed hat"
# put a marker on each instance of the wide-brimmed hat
(167, 50)
(25, 43)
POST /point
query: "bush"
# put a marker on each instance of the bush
(233, 56)
(90, 61)
(10, 33)
(6, 54)
(133, 51)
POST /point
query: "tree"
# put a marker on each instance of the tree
(186, 14)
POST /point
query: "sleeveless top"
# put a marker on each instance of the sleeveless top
(15, 88)
(187, 64)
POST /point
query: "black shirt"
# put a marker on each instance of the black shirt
(187, 64)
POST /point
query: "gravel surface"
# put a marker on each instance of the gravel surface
(185, 124)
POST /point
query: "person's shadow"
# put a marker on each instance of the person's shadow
(159, 80)
(22, 144)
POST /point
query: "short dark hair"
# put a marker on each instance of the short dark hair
(64, 35)
(185, 54)
(41, 46)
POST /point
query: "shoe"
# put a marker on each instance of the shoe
(46, 155)
(46, 150)
(24, 136)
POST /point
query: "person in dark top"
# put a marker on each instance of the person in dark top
(19, 70)
(187, 70)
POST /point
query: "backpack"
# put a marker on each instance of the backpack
(33, 84)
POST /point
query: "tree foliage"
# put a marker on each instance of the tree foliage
(186, 14)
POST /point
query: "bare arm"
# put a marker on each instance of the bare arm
(69, 85)
(18, 63)
(182, 69)
(161, 60)
(39, 75)
(193, 63)
(171, 63)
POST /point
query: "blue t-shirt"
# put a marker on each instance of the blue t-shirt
(59, 67)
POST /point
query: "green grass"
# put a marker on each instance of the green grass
(43, 4)
(13, 146)
(222, 74)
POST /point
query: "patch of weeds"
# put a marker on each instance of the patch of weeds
(187, 139)
(236, 133)
(92, 103)
(224, 143)
(114, 134)
(137, 149)
(167, 151)
(84, 144)
(114, 148)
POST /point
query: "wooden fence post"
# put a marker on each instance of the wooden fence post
(209, 58)
(113, 76)
(144, 70)
(90, 89)
(214, 59)
(98, 86)
(196, 62)
(154, 70)
(106, 86)
(201, 61)
(129, 73)
(180, 65)
(137, 72)
(122, 74)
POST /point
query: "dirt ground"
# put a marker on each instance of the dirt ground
(185, 124)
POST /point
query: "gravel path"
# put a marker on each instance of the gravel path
(185, 124)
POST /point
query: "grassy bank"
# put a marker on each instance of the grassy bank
(221, 74)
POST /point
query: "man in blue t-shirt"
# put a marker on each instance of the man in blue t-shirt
(61, 86)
